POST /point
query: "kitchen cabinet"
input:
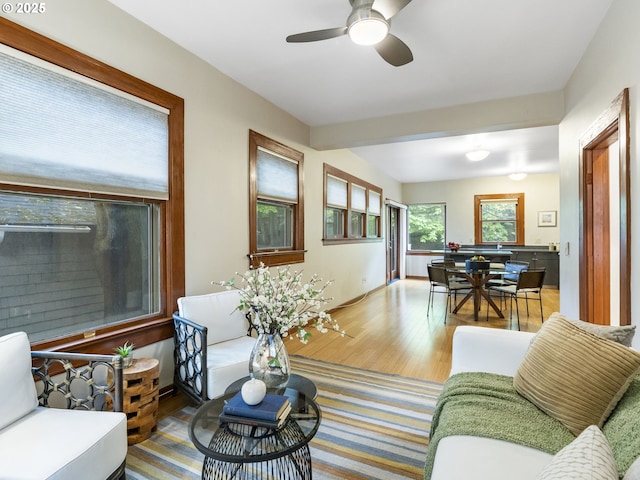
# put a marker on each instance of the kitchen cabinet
(548, 260)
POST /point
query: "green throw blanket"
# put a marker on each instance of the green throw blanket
(487, 405)
(622, 428)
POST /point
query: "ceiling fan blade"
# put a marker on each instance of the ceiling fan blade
(394, 51)
(317, 35)
(388, 8)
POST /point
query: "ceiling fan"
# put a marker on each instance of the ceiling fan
(368, 24)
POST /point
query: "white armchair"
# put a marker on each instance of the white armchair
(212, 344)
(74, 440)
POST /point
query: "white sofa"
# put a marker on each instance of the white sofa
(37, 442)
(210, 331)
(480, 349)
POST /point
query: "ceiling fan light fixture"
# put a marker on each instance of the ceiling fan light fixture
(477, 155)
(518, 176)
(367, 27)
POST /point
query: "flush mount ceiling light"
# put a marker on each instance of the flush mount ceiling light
(477, 155)
(518, 176)
(367, 27)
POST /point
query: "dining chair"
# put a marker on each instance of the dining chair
(447, 263)
(441, 282)
(529, 282)
(513, 268)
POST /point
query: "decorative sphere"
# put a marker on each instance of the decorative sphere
(253, 391)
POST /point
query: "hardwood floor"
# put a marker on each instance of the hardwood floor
(390, 332)
(393, 334)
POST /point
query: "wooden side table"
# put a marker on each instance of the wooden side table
(140, 402)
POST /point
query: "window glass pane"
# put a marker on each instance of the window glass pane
(336, 192)
(70, 265)
(358, 198)
(499, 221)
(498, 211)
(357, 224)
(277, 177)
(501, 232)
(426, 226)
(56, 131)
(275, 225)
(372, 226)
(374, 203)
(334, 223)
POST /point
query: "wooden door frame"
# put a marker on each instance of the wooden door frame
(614, 120)
(397, 240)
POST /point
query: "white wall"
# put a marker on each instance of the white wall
(218, 115)
(609, 65)
(541, 193)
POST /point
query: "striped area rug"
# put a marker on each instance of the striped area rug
(374, 426)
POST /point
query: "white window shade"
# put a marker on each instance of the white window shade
(508, 201)
(374, 203)
(59, 132)
(336, 192)
(358, 198)
(277, 177)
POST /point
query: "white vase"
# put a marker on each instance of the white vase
(269, 361)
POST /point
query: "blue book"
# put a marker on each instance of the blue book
(270, 408)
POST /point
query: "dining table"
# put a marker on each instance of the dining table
(478, 279)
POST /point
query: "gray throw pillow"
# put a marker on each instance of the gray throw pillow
(622, 335)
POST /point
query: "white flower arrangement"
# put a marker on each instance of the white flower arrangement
(278, 302)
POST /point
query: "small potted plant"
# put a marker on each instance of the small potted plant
(125, 351)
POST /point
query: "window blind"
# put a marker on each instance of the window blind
(59, 132)
(358, 198)
(336, 192)
(277, 177)
(508, 201)
(374, 203)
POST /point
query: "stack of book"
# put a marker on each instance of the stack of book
(270, 413)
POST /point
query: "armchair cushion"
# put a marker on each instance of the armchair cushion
(59, 444)
(15, 351)
(227, 362)
(216, 311)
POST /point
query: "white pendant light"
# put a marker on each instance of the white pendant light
(477, 155)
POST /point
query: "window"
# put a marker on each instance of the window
(427, 226)
(352, 208)
(76, 264)
(335, 207)
(91, 215)
(499, 218)
(276, 202)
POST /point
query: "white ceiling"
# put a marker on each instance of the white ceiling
(464, 51)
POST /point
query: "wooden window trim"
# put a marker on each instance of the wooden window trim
(519, 217)
(151, 329)
(351, 180)
(284, 256)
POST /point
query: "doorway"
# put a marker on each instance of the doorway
(393, 243)
(605, 257)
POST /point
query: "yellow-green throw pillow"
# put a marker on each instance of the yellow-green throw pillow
(574, 376)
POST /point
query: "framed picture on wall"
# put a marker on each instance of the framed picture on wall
(547, 219)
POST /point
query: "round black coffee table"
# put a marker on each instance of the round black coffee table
(239, 451)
